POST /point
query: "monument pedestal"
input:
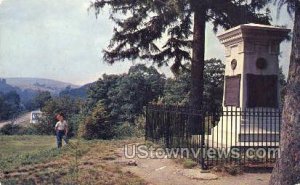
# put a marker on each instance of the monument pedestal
(251, 115)
(255, 130)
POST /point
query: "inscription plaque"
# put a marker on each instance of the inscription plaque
(262, 91)
(232, 90)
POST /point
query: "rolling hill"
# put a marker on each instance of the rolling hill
(39, 84)
(27, 88)
(80, 92)
(5, 88)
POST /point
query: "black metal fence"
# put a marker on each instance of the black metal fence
(246, 137)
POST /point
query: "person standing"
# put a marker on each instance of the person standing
(61, 129)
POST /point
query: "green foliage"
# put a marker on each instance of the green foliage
(128, 129)
(9, 105)
(176, 91)
(39, 100)
(125, 130)
(161, 31)
(147, 23)
(135, 90)
(10, 129)
(80, 92)
(30, 129)
(214, 71)
(120, 100)
(97, 125)
(124, 96)
(69, 106)
(189, 163)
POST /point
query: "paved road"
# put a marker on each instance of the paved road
(21, 120)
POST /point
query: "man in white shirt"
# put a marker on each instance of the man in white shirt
(61, 129)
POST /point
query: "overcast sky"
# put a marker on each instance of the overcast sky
(61, 40)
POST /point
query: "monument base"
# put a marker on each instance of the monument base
(241, 130)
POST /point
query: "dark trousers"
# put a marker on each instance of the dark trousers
(60, 135)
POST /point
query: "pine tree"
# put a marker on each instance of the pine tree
(172, 32)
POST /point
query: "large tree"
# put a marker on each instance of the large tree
(287, 168)
(177, 90)
(124, 96)
(172, 32)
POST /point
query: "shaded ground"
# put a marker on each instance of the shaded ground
(168, 172)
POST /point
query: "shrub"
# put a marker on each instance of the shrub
(233, 169)
(14, 129)
(127, 129)
(189, 163)
(97, 125)
(229, 169)
(44, 127)
(10, 129)
(69, 106)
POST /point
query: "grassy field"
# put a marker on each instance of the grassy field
(11, 145)
(35, 160)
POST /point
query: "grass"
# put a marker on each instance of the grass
(80, 162)
(189, 163)
(11, 145)
(186, 163)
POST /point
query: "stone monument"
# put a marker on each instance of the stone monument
(251, 83)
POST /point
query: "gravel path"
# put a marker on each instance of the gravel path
(167, 172)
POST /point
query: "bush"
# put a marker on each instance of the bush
(125, 130)
(189, 164)
(45, 126)
(10, 129)
(135, 129)
(14, 129)
(229, 169)
(97, 125)
(69, 106)
(73, 124)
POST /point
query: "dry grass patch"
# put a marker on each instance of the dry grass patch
(80, 162)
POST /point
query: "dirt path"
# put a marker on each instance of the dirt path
(167, 172)
(103, 162)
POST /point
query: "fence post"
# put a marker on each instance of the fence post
(203, 147)
(147, 125)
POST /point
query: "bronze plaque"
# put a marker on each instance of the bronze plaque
(262, 91)
(232, 90)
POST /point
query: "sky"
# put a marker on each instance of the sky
(62, 40)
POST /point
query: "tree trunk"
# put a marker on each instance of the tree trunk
(196, 97)
(287, 168)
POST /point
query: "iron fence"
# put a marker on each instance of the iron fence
(232, 135)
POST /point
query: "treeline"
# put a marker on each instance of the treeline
(115, 104)
(10, 105)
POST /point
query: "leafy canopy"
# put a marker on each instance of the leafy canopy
(124, 96)
(176, 91)
(161, 30)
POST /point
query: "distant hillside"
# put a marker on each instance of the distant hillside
(80, 92)
(39, 84)
(5, 88)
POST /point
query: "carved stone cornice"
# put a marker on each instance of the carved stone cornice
(262, 33)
